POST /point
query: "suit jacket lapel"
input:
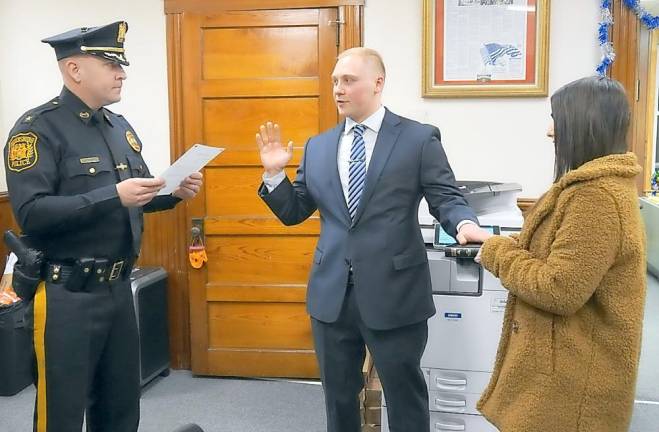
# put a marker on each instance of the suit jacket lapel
(384, 144)
(335, 139)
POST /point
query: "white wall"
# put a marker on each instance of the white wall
(655, 153)
(29, 74)
(485, 139)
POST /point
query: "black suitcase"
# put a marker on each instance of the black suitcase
(150, 297)
(16, 351)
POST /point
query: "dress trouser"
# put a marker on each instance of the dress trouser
(396, 355)
(87, 359)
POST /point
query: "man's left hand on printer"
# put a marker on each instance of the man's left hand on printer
(472, 233)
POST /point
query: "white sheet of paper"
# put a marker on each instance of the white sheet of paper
(192, 161)
(12, 259)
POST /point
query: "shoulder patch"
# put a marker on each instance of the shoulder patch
(22, 151)
(132, 141)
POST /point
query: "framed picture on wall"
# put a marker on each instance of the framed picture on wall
(485, 48)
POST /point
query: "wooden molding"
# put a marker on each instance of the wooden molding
(525, 204)
(7, 221)
(210, 6)
(651, 111)
(631, 67)
(164, 240)
(640, 125)
(160, 249)
(624, 36)
(352, 28)
(181, 351)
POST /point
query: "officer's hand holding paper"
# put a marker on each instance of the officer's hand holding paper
(138, 191)
(183, 179)
(189, 187)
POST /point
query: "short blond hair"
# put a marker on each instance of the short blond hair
(368, 53)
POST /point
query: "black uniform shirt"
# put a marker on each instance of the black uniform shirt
(63, 162)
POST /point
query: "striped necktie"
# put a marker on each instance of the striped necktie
(357, 172)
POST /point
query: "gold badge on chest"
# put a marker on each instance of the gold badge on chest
(22, 152)
(132, 141)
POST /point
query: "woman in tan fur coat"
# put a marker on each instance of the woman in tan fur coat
(576, 275)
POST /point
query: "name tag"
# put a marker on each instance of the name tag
(94, 159)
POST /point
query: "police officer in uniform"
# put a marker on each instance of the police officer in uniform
(78, 187)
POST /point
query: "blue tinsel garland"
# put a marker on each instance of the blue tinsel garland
(608, 53)
(650, 21)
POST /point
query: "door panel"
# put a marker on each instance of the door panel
(242, 68)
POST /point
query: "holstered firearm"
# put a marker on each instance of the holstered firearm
(27, 271)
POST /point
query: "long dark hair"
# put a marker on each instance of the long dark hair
(591, 120)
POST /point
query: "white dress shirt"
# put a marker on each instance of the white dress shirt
(373, 124)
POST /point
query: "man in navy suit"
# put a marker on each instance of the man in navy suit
(370, 281)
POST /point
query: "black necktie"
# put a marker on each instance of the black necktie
(120, 164)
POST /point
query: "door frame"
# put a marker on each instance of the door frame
(651, 110)
(350, 34)
(633, 67)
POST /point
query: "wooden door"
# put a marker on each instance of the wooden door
(240, 69)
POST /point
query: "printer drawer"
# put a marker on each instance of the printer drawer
(458, 381)
(440, 422)
(457, 403)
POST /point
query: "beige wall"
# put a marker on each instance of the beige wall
(29, 74)
(486, 139)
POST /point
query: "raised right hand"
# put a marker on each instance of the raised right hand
(136, 192)
(274, 157)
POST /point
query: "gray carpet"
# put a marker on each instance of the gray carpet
(215, 404)
(237, 405)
